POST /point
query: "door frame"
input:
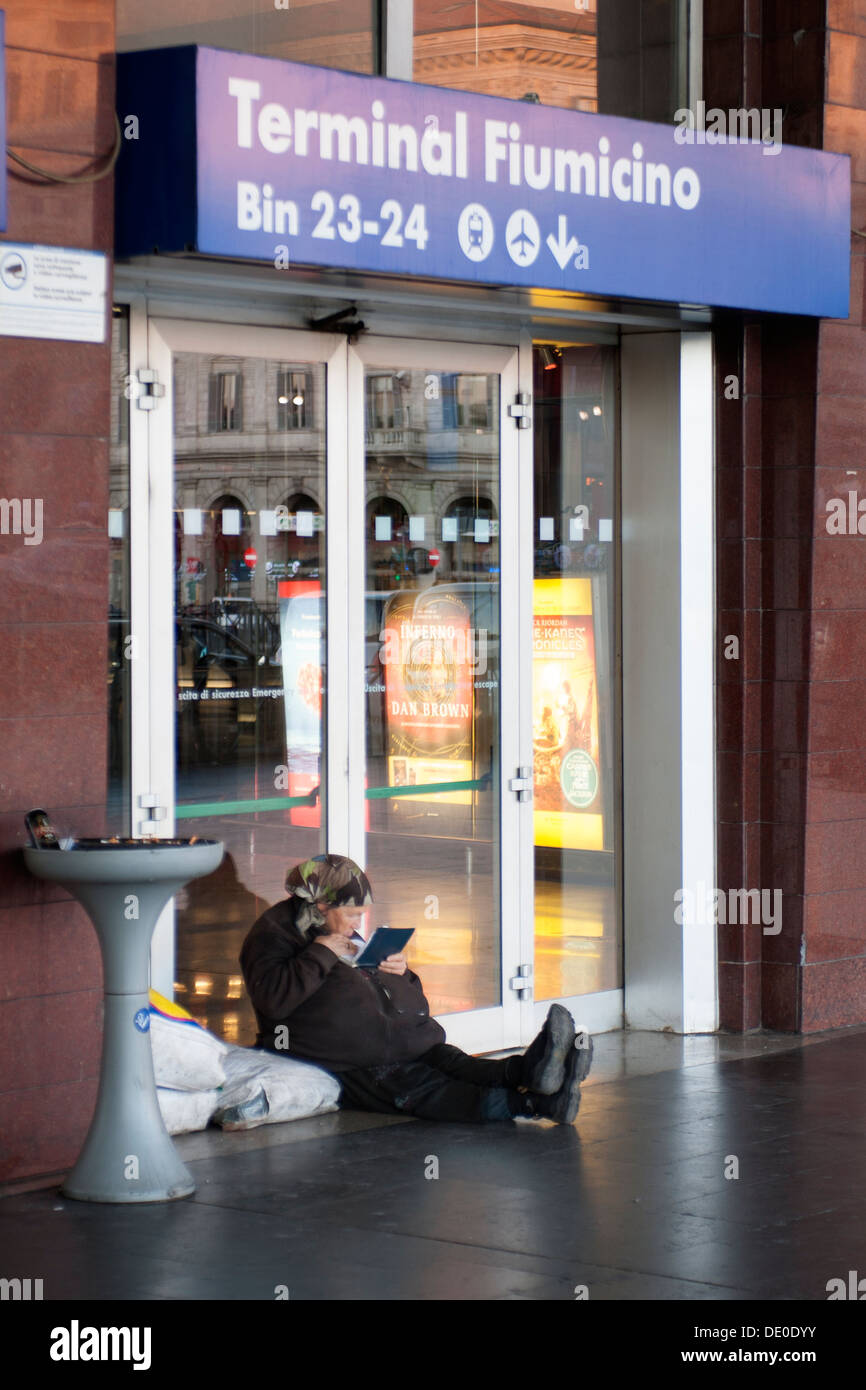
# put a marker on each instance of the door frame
(212, 292)
(154, 599)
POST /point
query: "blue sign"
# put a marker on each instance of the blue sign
(3, 204)
(265, 160)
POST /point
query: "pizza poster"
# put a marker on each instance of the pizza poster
(565, 738)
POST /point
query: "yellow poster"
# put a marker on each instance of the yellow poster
(567, 782)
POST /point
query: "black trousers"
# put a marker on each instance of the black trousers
(443, 1084)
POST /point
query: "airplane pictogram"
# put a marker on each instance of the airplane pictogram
(523, 240)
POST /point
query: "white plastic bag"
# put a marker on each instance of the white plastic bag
(186, 1057)
(183, 1111)
(293, 1089)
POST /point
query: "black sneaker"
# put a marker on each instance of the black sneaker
(544, 1061)
(563, 1107)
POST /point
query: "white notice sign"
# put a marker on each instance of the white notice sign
(52, 292)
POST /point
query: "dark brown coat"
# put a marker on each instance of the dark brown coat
(336, 1015)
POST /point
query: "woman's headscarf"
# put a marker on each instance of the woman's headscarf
(329, 877)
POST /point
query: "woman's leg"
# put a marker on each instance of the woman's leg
(540, 1068)
(416, 1088)
(479, 1071)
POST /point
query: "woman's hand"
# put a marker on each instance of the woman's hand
(395, 965)
(339, 944)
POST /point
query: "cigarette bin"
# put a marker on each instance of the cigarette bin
(127, 1156)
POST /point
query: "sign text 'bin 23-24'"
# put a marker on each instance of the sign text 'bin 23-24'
(273, 161)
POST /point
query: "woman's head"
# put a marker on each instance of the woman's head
(325, 883)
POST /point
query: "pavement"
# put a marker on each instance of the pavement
(700, 1168)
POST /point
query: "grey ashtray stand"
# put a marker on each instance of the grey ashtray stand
(127, 1155)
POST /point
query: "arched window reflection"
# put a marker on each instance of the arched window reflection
(471, 538)
(228, 535)
(388, 564)
(301, 540)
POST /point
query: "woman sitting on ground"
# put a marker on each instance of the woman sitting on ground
(372, 1029)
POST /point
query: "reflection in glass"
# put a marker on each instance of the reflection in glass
(618, 57)
(331, 33)
(294, 400)
(574, 684)
(120, 649)
(226, 394)
(249, 568)
(432, 674)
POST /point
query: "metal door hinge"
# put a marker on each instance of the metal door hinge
(521, 410)
(521, 785)
(149, 801)
(151, 389)
(521, 982)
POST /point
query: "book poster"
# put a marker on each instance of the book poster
(302, 640)
(429, 691)
(567, 779)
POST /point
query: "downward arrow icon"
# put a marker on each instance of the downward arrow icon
(561, 249)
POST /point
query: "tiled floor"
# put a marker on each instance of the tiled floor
(632, 1201)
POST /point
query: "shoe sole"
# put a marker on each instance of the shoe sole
(585, 1053)
(577, 1070)
(549, 1076)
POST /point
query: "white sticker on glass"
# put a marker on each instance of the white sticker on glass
(383, 528)
(482, 530)
(449, 528)
(304, 523)
(416, 528)
(231, 521)
(267, 522)
(545, 528)
(605, 529)
(192, 521)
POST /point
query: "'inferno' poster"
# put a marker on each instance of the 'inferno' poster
(567, 781)
(429, 691)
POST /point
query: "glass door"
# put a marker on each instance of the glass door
(434, 479)
(241, 446)
(575, 684)
(331, 649)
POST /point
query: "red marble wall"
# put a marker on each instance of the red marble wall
(54, 414)
(834, 970)
(739, 713)
(791, 712)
